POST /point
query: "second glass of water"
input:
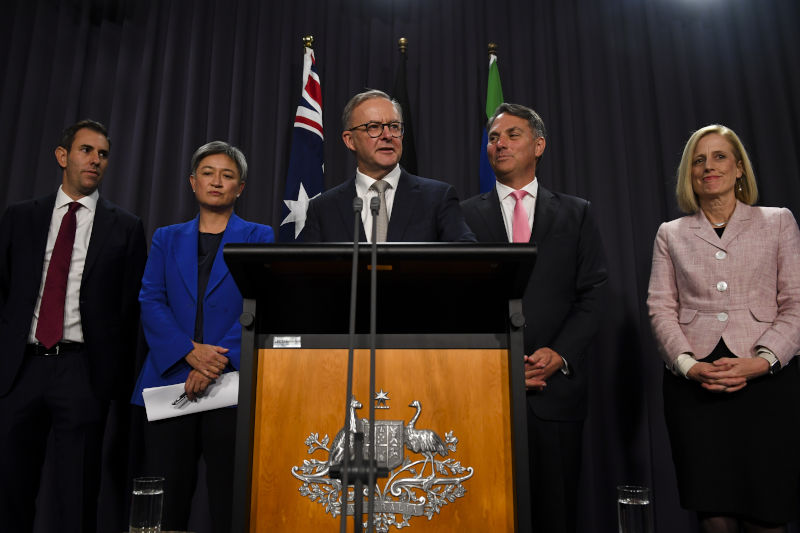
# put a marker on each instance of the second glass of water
(146, 502)
(634, 509)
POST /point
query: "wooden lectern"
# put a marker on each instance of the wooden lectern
(450, 408)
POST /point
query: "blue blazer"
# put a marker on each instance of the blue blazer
(169, 301)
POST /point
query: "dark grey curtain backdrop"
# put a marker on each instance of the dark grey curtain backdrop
(619, 83)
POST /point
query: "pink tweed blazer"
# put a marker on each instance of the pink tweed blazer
(743, 287)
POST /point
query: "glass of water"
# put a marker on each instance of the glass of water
(148, 496)
(634, 509)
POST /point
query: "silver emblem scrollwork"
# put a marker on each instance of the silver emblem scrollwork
(415, 487)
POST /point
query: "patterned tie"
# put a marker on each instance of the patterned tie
(380, 187)
(50, 326)
(521, 230)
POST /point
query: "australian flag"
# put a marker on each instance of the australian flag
(306, 166)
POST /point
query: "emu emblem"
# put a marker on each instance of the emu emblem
(408, 492)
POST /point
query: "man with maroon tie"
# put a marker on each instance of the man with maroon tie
(71, 265)
(562, 304)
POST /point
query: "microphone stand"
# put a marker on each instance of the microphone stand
(360, 470)
(372, 467)
(344, 469)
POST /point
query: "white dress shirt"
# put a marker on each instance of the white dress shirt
(85, 220)
(363, 184)
(507, 203)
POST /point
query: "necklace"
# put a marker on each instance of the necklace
(717, 224)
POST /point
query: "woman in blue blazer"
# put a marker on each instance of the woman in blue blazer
(195, 339)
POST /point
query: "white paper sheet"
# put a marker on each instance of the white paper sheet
(160, 401)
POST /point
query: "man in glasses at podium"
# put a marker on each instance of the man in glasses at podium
(412, 208)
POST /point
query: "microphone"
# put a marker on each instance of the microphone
(357, 469)
(343, 472)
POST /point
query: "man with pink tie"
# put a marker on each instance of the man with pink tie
(562, 304)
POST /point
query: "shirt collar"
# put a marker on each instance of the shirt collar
(89, 202)
(363, 182)
(503, 191)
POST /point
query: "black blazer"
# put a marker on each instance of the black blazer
(424, 210)
(109, 290)
(563, 302)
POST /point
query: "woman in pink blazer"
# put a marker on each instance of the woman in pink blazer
(724, 303)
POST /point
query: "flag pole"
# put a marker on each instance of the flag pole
(304, 177)
(408, 159)
(494, 97)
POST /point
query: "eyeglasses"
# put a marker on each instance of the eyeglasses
(375, 129)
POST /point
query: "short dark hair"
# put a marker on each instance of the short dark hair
(534, 120)
(68, 135)
(221, 147)
(369, 94)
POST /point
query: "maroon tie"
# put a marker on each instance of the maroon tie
(50, 327)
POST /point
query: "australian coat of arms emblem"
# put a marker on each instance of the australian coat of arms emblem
(424, 474)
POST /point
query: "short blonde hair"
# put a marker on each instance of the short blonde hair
(687, 199)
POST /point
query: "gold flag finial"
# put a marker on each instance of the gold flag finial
(308, 41)
(492, 48)
(402, 44)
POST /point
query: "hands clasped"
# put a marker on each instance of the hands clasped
(728, 374)
(208, 362)
(539, 366)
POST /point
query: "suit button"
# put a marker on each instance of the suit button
(722, 286)
(722, 317)
(720, 255)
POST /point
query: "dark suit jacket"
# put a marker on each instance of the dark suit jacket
(424, 210)
(563, 302)
(108, 295)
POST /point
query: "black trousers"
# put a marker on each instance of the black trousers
(554, 451)
(173, 448)
(51, 394)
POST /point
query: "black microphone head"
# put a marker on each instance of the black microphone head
(375, 205)
(358, 204)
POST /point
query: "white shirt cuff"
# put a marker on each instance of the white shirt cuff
(683, 364)
(765, 353)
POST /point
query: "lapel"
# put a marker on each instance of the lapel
(405, 204)
(185, 254)
(492, 215)
(740, 220)
(344, 203)
(544, 214)
(234, 232)
(105, 218)
(40, 225)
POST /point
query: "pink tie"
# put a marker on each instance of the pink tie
(521, 231)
